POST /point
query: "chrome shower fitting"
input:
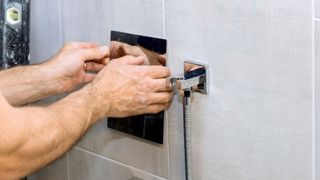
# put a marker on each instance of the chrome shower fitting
(194, 79)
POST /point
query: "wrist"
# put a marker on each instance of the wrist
(53, 82)
(98, 105)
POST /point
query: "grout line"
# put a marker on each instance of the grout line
(68, 166)
(167, 115)
(60, 23)
(117, 162)
(314, 161)
(164, 19)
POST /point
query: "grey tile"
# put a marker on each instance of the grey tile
(317, 8)
(143, 17)
(257, 122)
(45, 36)
(317, 97)
(56, 170)
(84, 20)
(127, 149)
(84, 165)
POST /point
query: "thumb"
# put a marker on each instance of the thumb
(94, 53)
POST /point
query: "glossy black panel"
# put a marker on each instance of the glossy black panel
(146, 126)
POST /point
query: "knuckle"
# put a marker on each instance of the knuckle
(145, 85)
(143, 100)
(168, 98)
(69, 44)
(96, 50)
(167, 71)
(153, 109)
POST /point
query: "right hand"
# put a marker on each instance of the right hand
(125, 87)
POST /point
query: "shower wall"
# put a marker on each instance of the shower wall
(260, 120)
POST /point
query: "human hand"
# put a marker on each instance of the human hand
(125, 87)
(75, 64)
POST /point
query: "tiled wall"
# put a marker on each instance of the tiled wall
(317, 87)
(258, 121)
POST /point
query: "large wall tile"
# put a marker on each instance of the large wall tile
(85, 165)
(257, 122)
(317, 8)
(317, 97)
(142, 17)
(127, 149)
(45, 36)
(57, 170)
(45, 41)
(84, 20)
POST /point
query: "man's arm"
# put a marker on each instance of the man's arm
(32, 137)
(63, 72)
(24, 84)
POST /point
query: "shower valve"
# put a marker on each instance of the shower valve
(195, 78)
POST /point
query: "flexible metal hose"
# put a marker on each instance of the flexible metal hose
(187, 133)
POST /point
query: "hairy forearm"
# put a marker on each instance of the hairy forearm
(24, 84)
(43, 134)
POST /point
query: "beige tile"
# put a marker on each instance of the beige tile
(257, 122)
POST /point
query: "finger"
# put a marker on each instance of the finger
(77, 45)
(156, 108)
(161, 98)
(156, 72)
(96, 53)
(130, 60)
(161, 85)
(88, 77)
(87, 45)
(162, 59)
(105, 61)
(95, 67)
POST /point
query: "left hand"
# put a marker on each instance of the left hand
(75, 64)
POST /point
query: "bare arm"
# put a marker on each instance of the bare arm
(62, 73)
(32, 137)
(26, 84)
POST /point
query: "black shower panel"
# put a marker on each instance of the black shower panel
(146, 126)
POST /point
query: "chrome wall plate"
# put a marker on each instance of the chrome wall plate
(196, 76)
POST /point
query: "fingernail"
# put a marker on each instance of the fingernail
(104, 49)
